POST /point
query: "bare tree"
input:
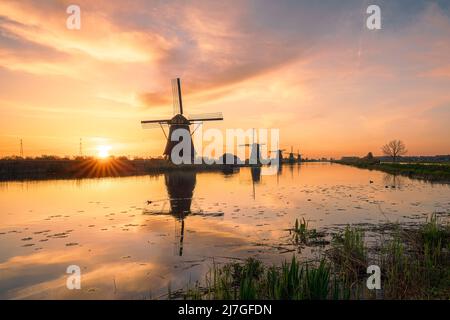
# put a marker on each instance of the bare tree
(394, 149)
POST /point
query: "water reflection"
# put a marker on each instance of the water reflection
(180, 186)
(393, 180)
(124, 253)
(256, 178)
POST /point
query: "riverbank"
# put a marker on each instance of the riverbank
(414, 264)
(42, 169)
(434, 172)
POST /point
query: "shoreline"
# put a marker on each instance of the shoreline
(432, 172)
(85, 168)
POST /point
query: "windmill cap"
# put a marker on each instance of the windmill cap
(179, 119)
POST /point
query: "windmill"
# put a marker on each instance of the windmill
(255, 152)
(299, 156)
(179, 120)
(291, 158)
(21, 148)
(279, 155)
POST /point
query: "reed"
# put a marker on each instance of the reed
(349, 255)
(303, 234)
(415, 264)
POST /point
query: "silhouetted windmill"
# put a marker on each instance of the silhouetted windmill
(255, 152)
(21, 148)
(179, 120)
(299, 156)
(279, 155)
(291, 156)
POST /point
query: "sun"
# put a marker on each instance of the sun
(103, 151)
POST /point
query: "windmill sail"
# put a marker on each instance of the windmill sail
(153, 125)
(212, 116)
(156, 123)
(176, 96)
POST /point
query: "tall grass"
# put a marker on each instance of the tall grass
(301, 231)
(415, 263)
(399, 269)
(434, 238)
(303, 234)
(349, 254)
(292, 281)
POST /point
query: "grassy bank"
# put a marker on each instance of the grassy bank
(414, 263)
(61, 168)
(439, 172)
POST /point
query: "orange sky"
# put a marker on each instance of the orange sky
(332, 86)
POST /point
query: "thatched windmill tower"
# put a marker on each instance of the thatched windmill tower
(179, 121)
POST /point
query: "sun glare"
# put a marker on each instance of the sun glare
(103, 151)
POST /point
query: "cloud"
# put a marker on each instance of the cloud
(155, 99)
(260, 62)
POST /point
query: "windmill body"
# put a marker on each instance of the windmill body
(291, 156)
(178, 122)
(279, 155)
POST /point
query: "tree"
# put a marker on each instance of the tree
(394, 149)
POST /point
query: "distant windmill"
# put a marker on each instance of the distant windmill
(299, 156)
(255, 150)
(179, 120)
(279, 155)
(291, 156)
(21, 148)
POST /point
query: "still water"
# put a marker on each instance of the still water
(135, 237)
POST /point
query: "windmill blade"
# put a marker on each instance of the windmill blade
(176, 96)
(150, 124)
(153, 125)
(213, 116)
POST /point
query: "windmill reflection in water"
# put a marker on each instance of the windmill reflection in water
(180, 187)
